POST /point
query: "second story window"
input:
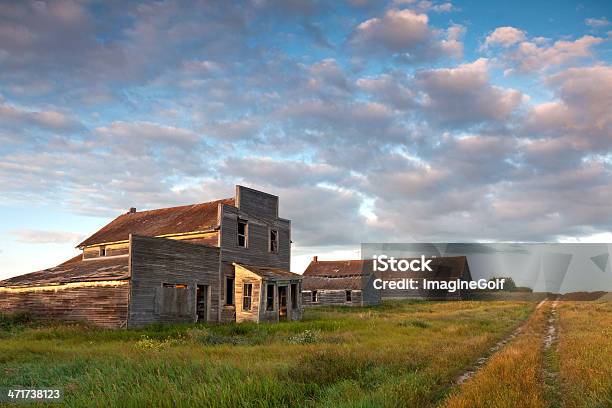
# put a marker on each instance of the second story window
(242, 233)
(273, 241)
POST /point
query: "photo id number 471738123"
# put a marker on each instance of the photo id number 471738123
(18, 394)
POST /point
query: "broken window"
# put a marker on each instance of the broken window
(247, 294)
(315, 296)
(269, 297)
(172, 300)
(273, 241)
(348, 295)
(294, 296)
(229, 291)
(242, 233)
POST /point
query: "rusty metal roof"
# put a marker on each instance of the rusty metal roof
(442, 267)
(91, 270)
(164, 221)
(339, 283)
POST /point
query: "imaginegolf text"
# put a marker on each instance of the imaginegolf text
(448, 285)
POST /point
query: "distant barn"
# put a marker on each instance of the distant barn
(351, 282)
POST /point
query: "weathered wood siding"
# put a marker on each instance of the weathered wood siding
(100, 304)
(260, 210)
(329, 297)
(155, 261)
(243, 276)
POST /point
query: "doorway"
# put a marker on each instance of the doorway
(282, 303)
(202, 303)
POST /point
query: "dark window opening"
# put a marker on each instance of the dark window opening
(348, 295)
(273, 241)
(269, 297)
(294, 296)
(247, 294)
(229, 291)
(102, 251)
(242, 233)
(175, 285)
(315, 297)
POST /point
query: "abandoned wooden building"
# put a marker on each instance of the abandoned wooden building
(351, 282)
(339, 283)
(219, 261)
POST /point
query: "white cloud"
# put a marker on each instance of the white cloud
(505, 36)
(464, 94)
(597, 22)
(33, 236)
(408, 33)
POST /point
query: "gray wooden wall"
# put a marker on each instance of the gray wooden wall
(155, 261)
(105, 306)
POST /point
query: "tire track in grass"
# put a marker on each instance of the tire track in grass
(512, 376)
(551, 358)
(478, 364)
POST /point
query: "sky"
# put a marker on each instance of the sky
(372, 121)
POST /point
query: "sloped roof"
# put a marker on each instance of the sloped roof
(163, 221)
(97, 269)
(270, 273)
(340, 283)
(450, 267)
(338, 268)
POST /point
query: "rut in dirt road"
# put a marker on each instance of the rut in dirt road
(551, 358)
(491, 352)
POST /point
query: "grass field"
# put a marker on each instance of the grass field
(399, 354)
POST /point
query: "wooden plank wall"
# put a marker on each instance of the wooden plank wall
(155, 261)
(105, 306)
(328, 297)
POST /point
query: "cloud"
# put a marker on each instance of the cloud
(597, 22)
(526, 55)
(48, 120)
(33, 236)
(584, 95)
(135, 133)
(505, 37)
(281, 173)
(464, 95)
(408, 33)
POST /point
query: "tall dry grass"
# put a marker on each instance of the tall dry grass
(513, 377)
(585, 354)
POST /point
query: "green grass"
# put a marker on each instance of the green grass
(398, 354)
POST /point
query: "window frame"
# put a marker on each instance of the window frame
(102, 251)
(314, 296)
(348, 295)
(247, 294)
(227, 292)
(270, 305)
(245, 235)
(273, 248)
(294, 296)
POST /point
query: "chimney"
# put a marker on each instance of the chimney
(132, 210)
(315, 258)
